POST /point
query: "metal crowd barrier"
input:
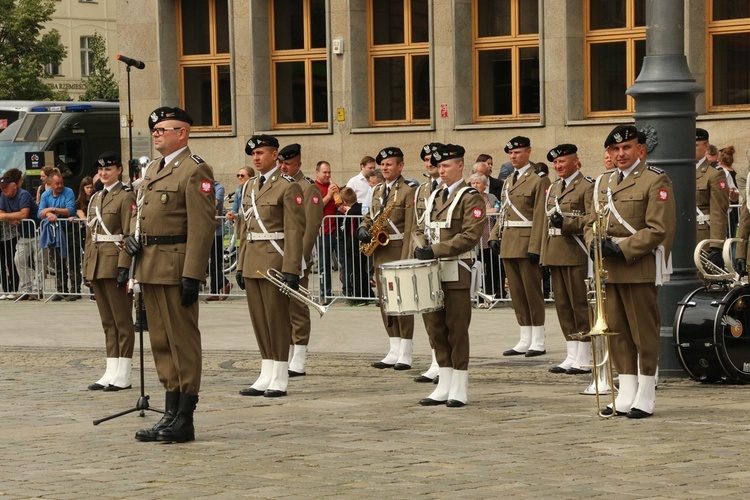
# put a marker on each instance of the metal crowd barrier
(338, 269)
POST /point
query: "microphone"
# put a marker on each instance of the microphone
(131, 62)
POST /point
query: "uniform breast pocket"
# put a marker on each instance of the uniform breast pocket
(270, 210)
(527, 201)
(702, 196)
(632, 205)
(167, 195)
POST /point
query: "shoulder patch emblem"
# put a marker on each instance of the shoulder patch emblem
(206, 186)
(722, 185)
(663, 194)
(132, 207)
(197, 159)
(656, 169)
(298, 199)
(289, 178)
(477, 213)
(316, 199)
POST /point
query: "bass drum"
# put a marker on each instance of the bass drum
(712, 334)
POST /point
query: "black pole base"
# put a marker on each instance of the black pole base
(141, 405)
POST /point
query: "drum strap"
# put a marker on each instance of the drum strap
(436, 226)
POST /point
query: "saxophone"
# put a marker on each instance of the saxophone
(378, 233)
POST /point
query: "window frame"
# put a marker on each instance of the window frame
(408, 50)
(716, 28)
(514, 42)
(212, 60)
(307, 55)
(86, 56)
(630, 34)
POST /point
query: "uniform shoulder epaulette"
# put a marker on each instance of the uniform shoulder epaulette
(472, 191)
(197, 159)
(412, 183)
(717, 167)
(657, 169)
(558, 181)
(589, 179)
(308, 179)
(541, 174)
(125, 187)
(288, 177)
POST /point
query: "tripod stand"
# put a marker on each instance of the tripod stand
(142, 404)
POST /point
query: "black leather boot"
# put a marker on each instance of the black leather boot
(181, 429)
(171, 404)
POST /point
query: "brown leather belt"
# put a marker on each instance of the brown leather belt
(147, 239)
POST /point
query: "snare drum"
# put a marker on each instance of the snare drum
(712, 334)
(410, 286)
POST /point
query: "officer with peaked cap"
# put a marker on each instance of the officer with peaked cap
(172, 233)
(270, 233)
(523, 229)
(290, 162)
(640, 228)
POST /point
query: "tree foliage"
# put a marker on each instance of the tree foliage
(25, 50)
(101, 83)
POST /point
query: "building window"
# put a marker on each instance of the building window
(615, 44)
(299, 65)
(506, 59)
(52, 69)
(204, 65)
(399, 60)
(87, 57)
(728, 55)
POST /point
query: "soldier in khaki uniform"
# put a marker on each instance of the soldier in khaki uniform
(640, 230)
(524, 226)
(452, 227)
(290, 158)
(569, 205)
(743, 233)
(395, 191)
(107, 266)
(711, 199)
(172, 232)
(270, 233)
(421, 195)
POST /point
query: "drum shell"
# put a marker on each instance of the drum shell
(712, 334)
(415, 282)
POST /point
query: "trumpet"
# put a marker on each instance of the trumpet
(601, 369)
(303, 295)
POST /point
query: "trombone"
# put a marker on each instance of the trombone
(303, 295)
(601, 369)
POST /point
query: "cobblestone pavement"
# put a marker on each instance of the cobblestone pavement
(347, 430)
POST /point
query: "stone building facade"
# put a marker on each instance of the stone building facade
(345, 78)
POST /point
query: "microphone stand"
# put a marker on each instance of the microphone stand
(142, 404)
(133, 286)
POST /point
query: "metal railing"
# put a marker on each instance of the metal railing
(40, 267)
